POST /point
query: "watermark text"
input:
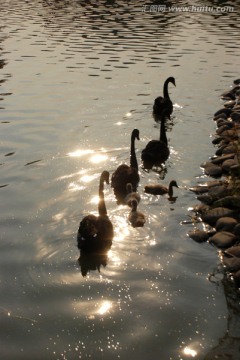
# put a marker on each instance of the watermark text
(191, 9)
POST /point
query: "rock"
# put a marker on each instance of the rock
(221, 148)
(237, 230)
(225, 111)
(229, 149)
(199, 236)
(201, 208)
(236, 82)
(235, 116)
(231, 263)
(220, 159)
(217, 140)
(227, 165)
(222, 128)
(218, 191)
(236, 278)
(211, 216)
(220, 116)
(232, 251)
(229, 103)
(226, 224)
(228, 95)
(223, 240)
(228, 201)
(199, 189)
(211, 169)
(205, 198)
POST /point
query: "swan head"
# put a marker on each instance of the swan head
(135, 134)
(171, 79)
(105, 176)
(174, 183)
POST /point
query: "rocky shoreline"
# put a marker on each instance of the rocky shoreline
(219, 207)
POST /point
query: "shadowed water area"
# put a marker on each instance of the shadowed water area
(75, 79)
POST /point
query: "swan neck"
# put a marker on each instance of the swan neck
(133, 158)
(170, 190)
(165, 90)
(101, 203)
(134, 206)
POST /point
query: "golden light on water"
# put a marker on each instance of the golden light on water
(75, 187)
(121, 229)
(177, 106)
(87, 178)
(188, 351)
(94, 199)
(97, 158)
(105, 306)
(80, 152)
(114, 258)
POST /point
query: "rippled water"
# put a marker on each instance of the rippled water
(76, 78)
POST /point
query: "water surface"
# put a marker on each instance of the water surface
(76, 78)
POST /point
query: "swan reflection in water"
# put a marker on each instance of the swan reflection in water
(92, 261)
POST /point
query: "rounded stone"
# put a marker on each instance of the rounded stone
(233, 251)
(237, 230)
(211, 169)
(211, 216)
(235, 116)
(199, 236)
(227, 164)
(226, 224)
(223, 239)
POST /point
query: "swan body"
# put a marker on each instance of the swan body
(131, 195)
(125, 174)
(164, 102)
(158, 189)
(135, 217)
(95, 233)
(156, 152)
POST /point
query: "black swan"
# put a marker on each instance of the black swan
(164, 102)
(156, 152)
(158, 189)
(131, 195)
(135, 217)
(95, 233)
(125, 174)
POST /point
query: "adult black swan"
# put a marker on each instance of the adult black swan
(125, 174)
(95, 233)
(164, 102)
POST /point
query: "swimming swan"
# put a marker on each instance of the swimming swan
(95, 233)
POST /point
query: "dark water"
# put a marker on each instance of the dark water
(76, 78)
